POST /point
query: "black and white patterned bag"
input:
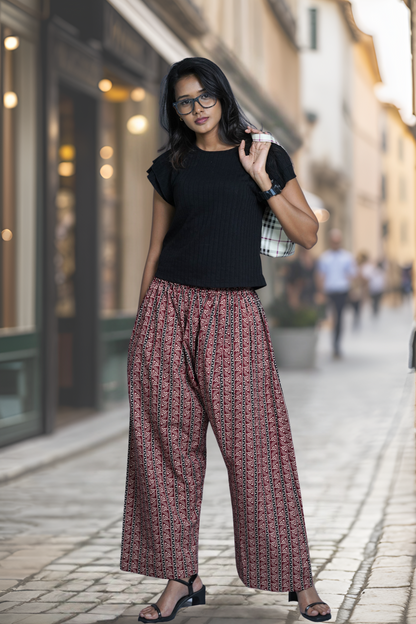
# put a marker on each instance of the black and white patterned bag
(274, 240)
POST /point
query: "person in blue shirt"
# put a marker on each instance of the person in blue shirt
(337, 268)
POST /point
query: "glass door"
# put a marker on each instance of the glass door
(65, 238)
(75, 255)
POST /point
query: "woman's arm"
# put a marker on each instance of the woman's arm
(290, 207)
(161, 220)
(294, 213)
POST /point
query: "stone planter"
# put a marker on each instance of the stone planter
(294, 347)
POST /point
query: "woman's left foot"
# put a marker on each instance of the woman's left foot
(307, 597)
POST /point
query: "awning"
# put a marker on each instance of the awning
(152, 29)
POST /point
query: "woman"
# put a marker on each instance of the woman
(201, 352)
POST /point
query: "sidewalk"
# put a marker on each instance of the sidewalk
(352, 423)
(23, 457)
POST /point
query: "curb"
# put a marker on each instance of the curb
(24, 457)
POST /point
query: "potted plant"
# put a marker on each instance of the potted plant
(293, 332)
(296, 310)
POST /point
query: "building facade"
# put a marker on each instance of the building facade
(79, 128)
(398, 189)
(326, 161)
(364, 120)
(341, 157)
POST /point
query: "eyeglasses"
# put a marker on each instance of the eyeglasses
(184, 107)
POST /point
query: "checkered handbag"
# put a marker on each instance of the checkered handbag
(274, 241)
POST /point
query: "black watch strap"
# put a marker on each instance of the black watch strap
(276, 189)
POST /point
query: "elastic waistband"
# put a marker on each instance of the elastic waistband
(175, 285)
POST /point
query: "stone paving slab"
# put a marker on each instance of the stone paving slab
(61, 526)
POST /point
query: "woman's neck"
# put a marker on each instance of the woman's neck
(210, 142)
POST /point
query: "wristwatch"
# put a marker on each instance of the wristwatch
(276, 189)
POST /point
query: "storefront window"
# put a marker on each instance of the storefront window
(18, 195)
(18, 226)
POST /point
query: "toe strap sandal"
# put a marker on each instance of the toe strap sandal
(197, 598)
(293, 597)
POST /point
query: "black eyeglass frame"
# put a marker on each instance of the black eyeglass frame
(176, 104)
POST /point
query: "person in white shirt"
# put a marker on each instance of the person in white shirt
(376, 276)
(337, 267)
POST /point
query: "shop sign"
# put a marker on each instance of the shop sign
(121, 40)
(77, 63)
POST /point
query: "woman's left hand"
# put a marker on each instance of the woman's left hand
(290, 206)
(255, 161)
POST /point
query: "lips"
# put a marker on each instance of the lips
(201, 120)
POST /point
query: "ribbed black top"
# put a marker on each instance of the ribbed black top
(214, 237)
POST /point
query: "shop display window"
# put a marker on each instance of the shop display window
(19, 367)
(18, 187)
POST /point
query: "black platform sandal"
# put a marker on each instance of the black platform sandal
(198, 598)
(293, 597)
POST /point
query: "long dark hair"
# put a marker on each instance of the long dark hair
(181, 138)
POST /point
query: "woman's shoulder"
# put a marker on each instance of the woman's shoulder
(279, 164)
(278, 153)
(163, 161)
(160, 174)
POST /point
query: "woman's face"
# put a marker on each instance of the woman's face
(201, 120)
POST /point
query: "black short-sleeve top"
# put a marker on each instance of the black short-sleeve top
(214, 237)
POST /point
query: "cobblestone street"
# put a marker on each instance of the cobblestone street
(353, 428)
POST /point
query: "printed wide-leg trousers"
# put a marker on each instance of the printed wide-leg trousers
(200, 355)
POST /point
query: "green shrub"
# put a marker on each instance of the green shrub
(285, 316)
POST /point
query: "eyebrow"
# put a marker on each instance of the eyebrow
(188, 96)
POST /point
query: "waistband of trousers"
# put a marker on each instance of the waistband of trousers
(177, 286)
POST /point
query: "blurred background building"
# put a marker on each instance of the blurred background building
(79, 128)
(341, 157)
(398, 192)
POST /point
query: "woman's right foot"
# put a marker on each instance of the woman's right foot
(307, 597)
(170, 596)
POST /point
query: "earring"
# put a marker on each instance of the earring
(180, 118)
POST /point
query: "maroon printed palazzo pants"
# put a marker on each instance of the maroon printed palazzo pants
(200, 355)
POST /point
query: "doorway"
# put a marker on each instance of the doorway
(75, 260)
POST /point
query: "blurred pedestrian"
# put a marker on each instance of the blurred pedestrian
(358, 289)
(302, 280)
(201, 347)
(376, 276)
(337, 267)
(406, 280)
